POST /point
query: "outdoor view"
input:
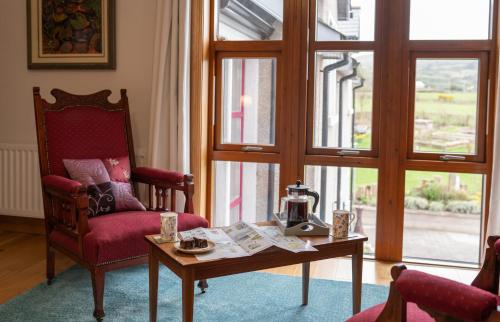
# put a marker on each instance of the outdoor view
(443, 209)
(446, 105)
(343, 100)
(353, 189)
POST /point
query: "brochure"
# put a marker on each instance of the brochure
(242, 239)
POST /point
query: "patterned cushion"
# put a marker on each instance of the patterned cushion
(93, 174)
(120, 235)
(446, 296)
(84, 132)
(118, 168)
(105, 196)
(413, 314)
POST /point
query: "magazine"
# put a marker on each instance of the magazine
(242, 239)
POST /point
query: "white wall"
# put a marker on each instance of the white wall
(135, 28)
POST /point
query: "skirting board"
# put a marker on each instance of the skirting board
(22, 224)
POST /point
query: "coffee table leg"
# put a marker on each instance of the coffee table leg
(187, 297)
(153, 285)
(357, 280)
(305, 282)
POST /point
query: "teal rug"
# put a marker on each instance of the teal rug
(245, 297)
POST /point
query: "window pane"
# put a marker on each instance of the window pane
(249, 19)
(354, 189)
(345, 20)
(248, 100)
(443, 214)
(343, 100)
(244, 191)
(446, 105)
(449, 19)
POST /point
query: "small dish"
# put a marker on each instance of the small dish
(211, 246)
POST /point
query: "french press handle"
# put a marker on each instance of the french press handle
(315, 195)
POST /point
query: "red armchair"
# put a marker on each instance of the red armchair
(88, 127)
(419, 297)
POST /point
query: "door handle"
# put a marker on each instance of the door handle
(448, 157)
(348, 152)
(249, 148)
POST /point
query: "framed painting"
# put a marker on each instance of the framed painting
(71, 34)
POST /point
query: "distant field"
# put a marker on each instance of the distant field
(462, 104)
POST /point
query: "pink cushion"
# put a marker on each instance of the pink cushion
(443, 295)
(61, 183)
(413, 314)
(87, 171)
(84, 132)
(497, 246)
(120, 236)
(158, 174)
(118, 168)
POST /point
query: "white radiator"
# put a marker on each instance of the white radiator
(20, 190)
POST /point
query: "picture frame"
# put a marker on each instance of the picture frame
(71, 34)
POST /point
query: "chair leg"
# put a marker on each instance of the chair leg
(203, 285)
(98, 289)
(51, 261)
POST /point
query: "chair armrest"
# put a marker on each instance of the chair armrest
(488, 277)
(445, 297)
(62, 185)
(157, 176)
(66, 206)
(159, 182)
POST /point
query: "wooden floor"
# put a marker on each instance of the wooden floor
(22, 266)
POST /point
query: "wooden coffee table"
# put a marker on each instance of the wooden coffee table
(189, 269)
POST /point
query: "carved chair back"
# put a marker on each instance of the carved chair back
(81, 127)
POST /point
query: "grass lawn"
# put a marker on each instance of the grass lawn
(413, 179)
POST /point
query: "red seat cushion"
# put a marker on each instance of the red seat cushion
(413, 314)
(120, 236)
(497, 246)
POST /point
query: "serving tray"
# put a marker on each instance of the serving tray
(314, 227)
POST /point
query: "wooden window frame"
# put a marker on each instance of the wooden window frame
(265, 148)
(392, 59)
(481, 105)
(316, 46)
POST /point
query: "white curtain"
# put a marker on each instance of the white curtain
(169, 118)
(494, 216)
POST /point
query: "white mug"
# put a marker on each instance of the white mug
(341, 221)
(169, 226)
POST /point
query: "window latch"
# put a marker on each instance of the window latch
(448, 157)
(348, 152)
(249, 148)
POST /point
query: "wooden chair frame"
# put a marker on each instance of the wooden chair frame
(68, 212)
